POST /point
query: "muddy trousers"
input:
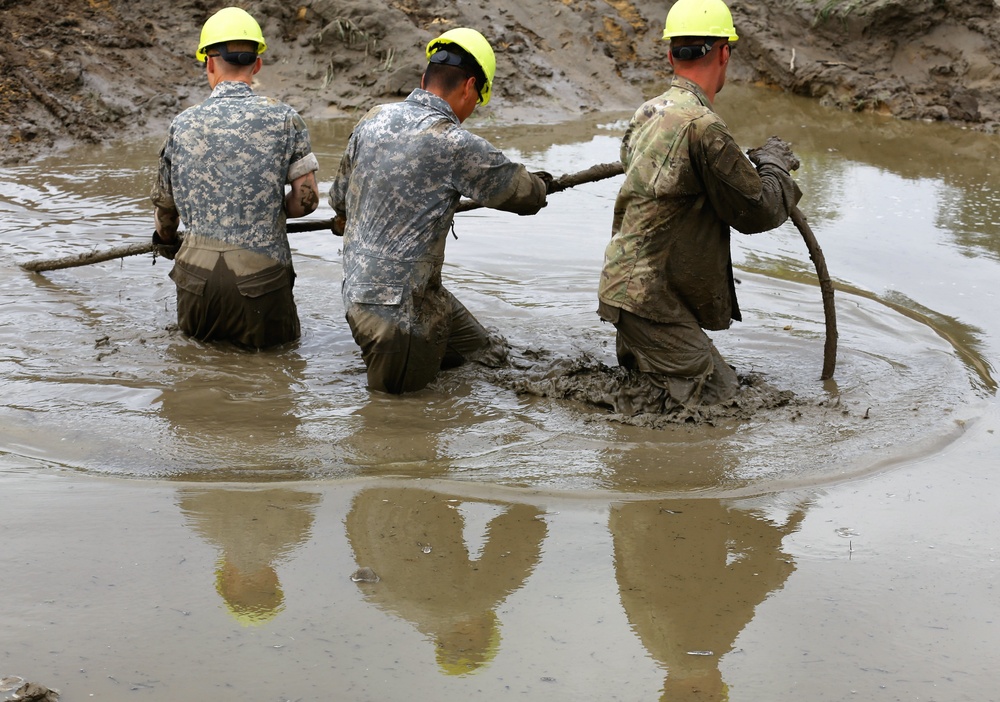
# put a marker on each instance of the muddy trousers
(404, 346)
(256, 311)
(678, 359)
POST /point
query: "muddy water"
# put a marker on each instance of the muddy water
(182, 519)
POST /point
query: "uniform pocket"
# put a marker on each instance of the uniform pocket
(265, 282)
(188, 279)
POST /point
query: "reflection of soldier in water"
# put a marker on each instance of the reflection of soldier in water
(691, 573)
(253, 530)
(233, 413)
(439, 574)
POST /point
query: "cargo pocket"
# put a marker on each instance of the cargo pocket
(267, 281)
(191, 280)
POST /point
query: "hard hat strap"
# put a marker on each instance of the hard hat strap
(690, 53)
(237, 58)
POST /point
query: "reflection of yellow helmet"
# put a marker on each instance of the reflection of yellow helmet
(475, 45)
(253, 598)
(230, 24)
(700, 18)
(469, 644)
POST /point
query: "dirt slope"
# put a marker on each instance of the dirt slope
(90, 70)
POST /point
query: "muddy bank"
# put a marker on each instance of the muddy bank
(108, 69)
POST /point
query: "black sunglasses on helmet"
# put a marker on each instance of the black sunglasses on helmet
(238, 58)
(690, 53)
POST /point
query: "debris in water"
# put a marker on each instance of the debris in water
(364, 575)
(33, 692)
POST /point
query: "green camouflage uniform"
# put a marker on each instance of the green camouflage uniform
(405, 169)
(667, 269)
(224, 167)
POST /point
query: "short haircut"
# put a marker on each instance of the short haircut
(446, 78)
(450, 66)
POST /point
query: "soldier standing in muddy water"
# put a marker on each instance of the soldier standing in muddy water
(668, 271)
(403, 173)
(223, 171)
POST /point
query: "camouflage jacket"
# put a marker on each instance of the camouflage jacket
(402, 175)
(224, 166)
(686, 183)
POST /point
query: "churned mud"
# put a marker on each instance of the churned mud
(16, 689)
(628, 395)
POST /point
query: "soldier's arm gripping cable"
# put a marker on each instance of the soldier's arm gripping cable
(338, 191)
(528, 194)
(748, 197)
(166, 218)
(303, 197)
(166, 241)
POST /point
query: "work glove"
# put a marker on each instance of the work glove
(547, 179)
(776, 152)
(339, 225)
(166, 249)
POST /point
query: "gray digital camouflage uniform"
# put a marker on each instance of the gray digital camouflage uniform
(405, 169)
(667, 269)
(223, 167)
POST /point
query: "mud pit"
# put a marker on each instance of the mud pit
(103, 70)
(304, 413)
(841, 545)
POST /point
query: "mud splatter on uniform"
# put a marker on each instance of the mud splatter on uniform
(223, 167)
(405, 169)
(668, 269)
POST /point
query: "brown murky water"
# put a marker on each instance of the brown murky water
(181, 521)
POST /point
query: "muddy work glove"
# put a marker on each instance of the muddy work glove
(776, 152)
(546, 178)
(339, 225)
(164, 248)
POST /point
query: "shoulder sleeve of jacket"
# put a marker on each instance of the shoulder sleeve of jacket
(747, 200)
(303, 160)
(342, 181)
(162, 193)
(480, 171)
(338, 190)
(527, 196)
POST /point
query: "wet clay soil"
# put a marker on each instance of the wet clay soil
(104, 69)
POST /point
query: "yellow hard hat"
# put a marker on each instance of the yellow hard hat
(700, 18)
(230, 24)
(475, 45)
